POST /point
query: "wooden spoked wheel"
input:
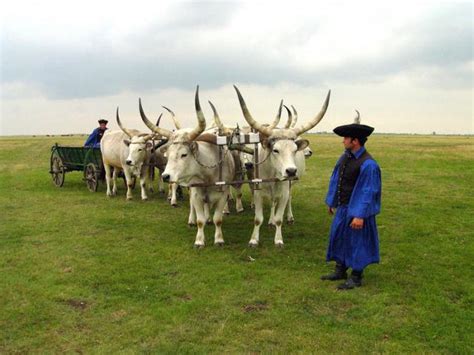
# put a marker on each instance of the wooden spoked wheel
(91, 176)
(57, 171)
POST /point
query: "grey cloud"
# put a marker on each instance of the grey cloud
(168, 54)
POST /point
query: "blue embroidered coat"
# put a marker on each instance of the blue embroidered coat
(356, 248)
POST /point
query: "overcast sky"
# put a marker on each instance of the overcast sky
(406, 66)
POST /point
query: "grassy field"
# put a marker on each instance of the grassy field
(80, 272)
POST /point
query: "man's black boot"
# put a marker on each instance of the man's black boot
(354, 281)
(340, 273)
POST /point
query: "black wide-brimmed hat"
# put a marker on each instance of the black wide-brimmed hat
(103, 121)
(354, 130)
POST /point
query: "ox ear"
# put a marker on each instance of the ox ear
(127, 142)
(302, 144)
(163, 149)
(193, 146)
(267, 143)
(149, 145)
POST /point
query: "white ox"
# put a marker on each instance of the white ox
(159, 160)
(128, 150)
(281, 157)
(193, 159)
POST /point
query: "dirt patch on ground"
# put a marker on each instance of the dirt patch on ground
(76, 304)
(255, 307)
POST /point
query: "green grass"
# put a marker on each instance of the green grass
(82, 272)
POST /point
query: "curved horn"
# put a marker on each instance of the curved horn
(125, 130)
(276, 121)
(173, 116)
(150, 125)
(357, 118)
(200, 117)
(290, 118)
(266, 131)
(218, 121)
(296, 117)
(316, 119)
(146, 136)
(207, 137)
(159, 120)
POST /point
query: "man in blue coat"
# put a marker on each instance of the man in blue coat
(96, 135)
(354, 196)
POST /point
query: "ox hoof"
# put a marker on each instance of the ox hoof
(279, 245)
(175, 205)
(145, 199)
(226, 212)
(219, 244)
(253, 245)
(240, 210)
(291, 221)
(129, 199)
(191, 224)
(198, 246)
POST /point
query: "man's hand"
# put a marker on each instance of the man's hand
(331, 210)
(357, 223)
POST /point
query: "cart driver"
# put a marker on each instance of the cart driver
(96, 135)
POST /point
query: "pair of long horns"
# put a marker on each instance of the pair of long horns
(267, 131)
(290, 123)
(128, 132)
(167, 133)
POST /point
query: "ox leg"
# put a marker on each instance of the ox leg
(198, 203)
(151, 178)
(218, 236)
(192, 213)
(271, 219)
(238, 201)
(172, 189)
(289, 213)
(129, 179)
(144, 181)
(258, 200)
(161, 187)
(226, 209)
(114, 178)
(108, 178)
(279, 212)
(207, 213)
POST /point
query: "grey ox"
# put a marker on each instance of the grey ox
(281, 156)
(193, 159)
(128, 150)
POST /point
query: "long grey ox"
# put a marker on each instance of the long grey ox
(193, 159)
(128, 150)
(281, 156)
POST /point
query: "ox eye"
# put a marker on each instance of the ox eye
(276, 151)
(140, 150)
(184, 155)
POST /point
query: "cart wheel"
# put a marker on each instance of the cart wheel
(57, 171)
(91, 175)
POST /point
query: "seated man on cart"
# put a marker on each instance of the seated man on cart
(94, 139)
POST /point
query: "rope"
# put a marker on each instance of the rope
(209, 166)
